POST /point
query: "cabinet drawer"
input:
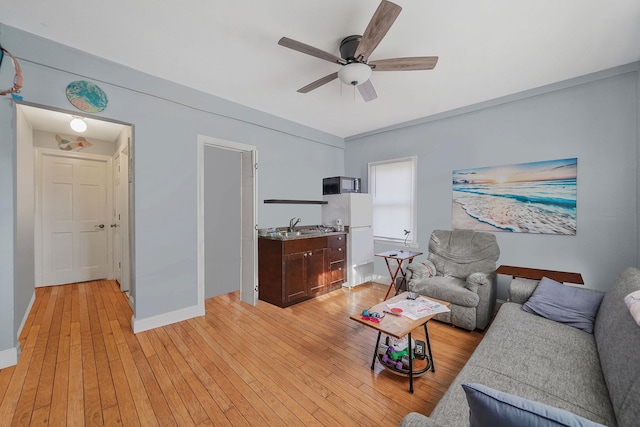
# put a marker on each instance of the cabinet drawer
(304, 245)
(337, 240)
(337, 272)
(337, 254)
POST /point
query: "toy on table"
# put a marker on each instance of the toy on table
(371, 316)
(397, 352)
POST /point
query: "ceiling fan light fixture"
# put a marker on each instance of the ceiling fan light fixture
(354, 73)
(78, 124)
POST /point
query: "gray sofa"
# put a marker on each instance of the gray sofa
(461, 270)
(595, 376)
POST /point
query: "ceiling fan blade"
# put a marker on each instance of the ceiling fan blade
(367, 91)
(318, 83)
(405, 64)
(310, 50)
(382, 20)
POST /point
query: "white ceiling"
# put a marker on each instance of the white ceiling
(487, 49)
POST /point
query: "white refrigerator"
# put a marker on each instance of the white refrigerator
(355, 211)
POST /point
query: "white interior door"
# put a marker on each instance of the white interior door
(73, 212)
(123, 218)
(115, 221)
(249, 252)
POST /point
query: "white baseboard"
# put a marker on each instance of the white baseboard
(8, 357)
(385, 280)
(141, 325)
(26, 314)
(348, 286)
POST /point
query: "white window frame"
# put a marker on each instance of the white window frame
(411, 239)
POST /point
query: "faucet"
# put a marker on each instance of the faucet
(293, 222)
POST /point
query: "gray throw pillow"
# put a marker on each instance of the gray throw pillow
(565, 304)
(493, 408)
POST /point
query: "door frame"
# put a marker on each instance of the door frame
(248, 288)
(39, 153)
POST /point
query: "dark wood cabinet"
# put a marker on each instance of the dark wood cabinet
(295, 277)
(337, 248)
(291, 271)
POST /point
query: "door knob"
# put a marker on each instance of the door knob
(99, 226)
(114, 225)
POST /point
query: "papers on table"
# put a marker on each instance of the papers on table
(418, 308)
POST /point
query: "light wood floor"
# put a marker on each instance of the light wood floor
(239, 365)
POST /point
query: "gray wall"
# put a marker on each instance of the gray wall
(167, 119)
(593, 118)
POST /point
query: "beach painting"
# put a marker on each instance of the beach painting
(537, 197)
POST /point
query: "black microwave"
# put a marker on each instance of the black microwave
(340, 184)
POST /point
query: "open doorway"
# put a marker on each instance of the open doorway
(227, 219)
(74, 190)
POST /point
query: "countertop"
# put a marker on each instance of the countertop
(304, 234)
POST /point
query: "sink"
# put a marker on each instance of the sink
(289, 233)
(310, 232)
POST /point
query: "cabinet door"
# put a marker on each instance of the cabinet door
(316, 269)
(295, 281)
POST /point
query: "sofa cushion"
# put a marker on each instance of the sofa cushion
(447, 289)
(618, 340)
(489, 407)
(565, 304)
(535, 358)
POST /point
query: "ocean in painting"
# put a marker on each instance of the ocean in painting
(499, 198)
(547, 207)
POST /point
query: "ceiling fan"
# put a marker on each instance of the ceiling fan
(355, 51)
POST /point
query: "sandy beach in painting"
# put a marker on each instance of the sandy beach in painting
(463, 221)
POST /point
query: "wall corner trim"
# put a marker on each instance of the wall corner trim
(26, 313)
(8, 357)
(141, 325)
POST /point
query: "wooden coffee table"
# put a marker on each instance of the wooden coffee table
(398, 327)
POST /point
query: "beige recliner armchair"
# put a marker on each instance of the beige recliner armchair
(461, 270)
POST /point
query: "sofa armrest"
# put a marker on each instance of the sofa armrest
(416, 271)
(521, 289)
(476, 280)
(485, 285)
(414, 419)
(420, 270)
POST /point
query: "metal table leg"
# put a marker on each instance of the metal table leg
(375, 352)
(410, 365)
(426, 337)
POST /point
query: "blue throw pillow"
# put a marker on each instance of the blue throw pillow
(565, 304)
(493, 408)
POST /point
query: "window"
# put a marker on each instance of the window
(392, 184)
